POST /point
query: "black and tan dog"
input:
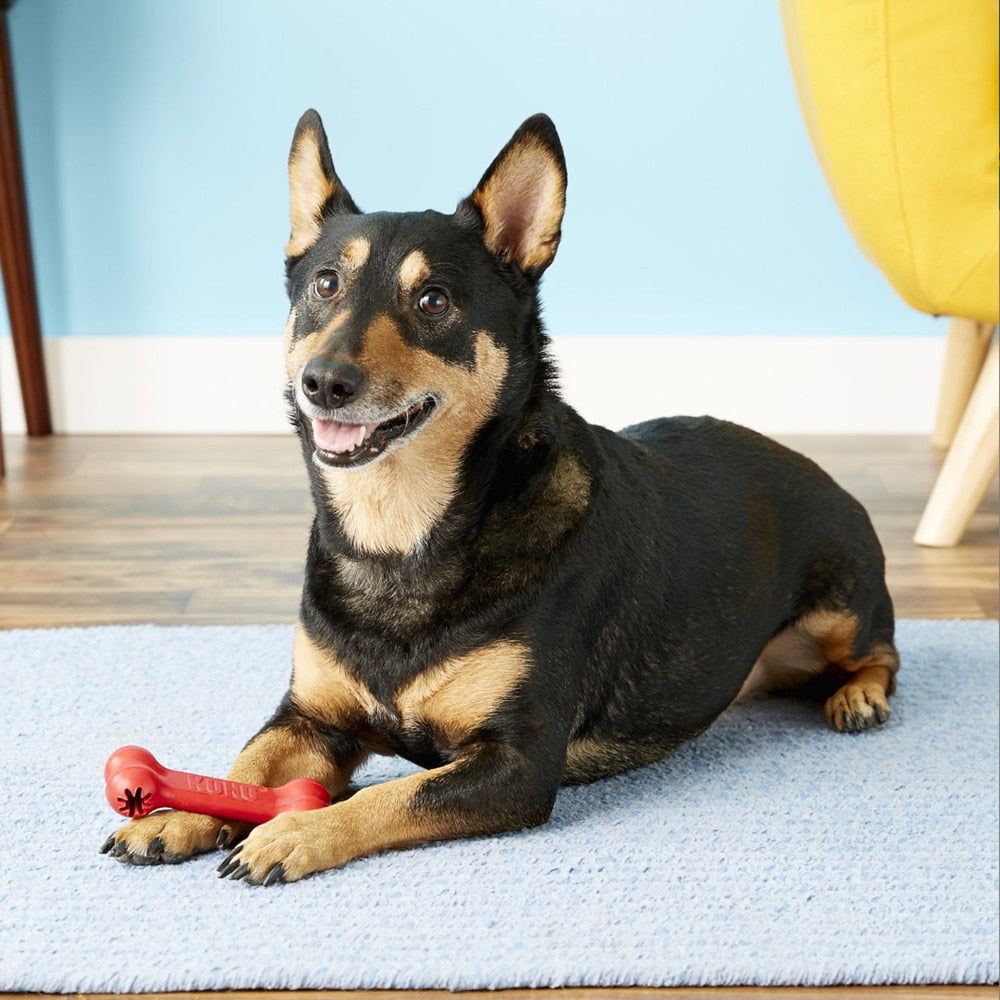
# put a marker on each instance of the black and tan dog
(495, 589)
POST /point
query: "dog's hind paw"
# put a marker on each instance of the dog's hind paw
(857, 706)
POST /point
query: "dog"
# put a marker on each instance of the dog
(496, 590)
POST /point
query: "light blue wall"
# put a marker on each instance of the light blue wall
(156, 133)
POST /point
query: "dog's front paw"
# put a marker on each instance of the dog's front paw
(285, 849)
(167, 838)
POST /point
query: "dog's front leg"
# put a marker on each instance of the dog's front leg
(288, 747)
(488, 789)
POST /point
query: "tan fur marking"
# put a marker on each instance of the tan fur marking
(309, 188)
(413, 272)
(835, 631)
(816, 642)
(526, 186)
(392, 505)
(391, 361)
(300, 352)
(356, 253)
(377, 818)
(293, 315)
(786, 662)
(278, 755)
(323, 687)
(459, 695)
(886, 657)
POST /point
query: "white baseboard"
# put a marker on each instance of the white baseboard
(234, 385)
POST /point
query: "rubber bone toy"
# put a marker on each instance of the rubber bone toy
(136, 783)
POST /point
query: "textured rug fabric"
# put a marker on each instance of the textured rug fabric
(769, 851)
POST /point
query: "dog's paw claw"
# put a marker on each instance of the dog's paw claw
(231, 835)
(114, 848)
(229, 864)
(275, 875)
(236, 869)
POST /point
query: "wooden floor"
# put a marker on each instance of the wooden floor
(191, 530)
(99, 530)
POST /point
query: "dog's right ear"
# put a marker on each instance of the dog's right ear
(315, 188)
(522, 196)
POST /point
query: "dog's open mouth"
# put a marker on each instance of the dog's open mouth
(342, 444)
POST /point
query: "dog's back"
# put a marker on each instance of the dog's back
(707, 546)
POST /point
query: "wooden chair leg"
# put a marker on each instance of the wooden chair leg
(15, 255)
(968, 342)
(970, 464)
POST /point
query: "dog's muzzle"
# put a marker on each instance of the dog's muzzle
(344, 444)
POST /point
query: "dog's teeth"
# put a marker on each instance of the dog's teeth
(361, 437)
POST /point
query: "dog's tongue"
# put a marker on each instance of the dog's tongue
(333, 436)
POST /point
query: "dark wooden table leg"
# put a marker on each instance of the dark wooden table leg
(15, 254)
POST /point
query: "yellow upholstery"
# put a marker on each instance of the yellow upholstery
(900, 99)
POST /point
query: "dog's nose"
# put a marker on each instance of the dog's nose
(331, 384)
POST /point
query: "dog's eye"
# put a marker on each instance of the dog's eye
(326, 284)
(434, 302)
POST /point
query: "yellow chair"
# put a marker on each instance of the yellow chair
(900, 100)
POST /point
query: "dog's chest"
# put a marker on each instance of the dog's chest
(418, 742)
(395, 595)
(427, 719)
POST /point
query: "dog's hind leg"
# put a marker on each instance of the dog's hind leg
(834, 648)
(864, 655)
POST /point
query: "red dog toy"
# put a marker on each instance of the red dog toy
(136, 783)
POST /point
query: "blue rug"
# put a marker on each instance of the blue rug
(769, 851)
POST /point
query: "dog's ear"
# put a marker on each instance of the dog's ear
(316, 189)
(522, 196)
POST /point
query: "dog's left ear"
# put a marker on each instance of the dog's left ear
(522, 196)
(316, 190)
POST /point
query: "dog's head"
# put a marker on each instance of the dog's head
(409, 332)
